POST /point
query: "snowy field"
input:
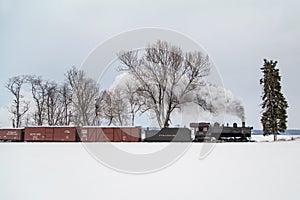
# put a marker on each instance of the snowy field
(261, 170)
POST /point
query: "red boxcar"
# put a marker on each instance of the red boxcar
(50, 134)
(66, 133)
(12, 135)
(38, 133)
(127, 134)
(96, 134)
(113, 134)
(109, 133)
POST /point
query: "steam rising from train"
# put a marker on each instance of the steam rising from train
(211, 98)
(219, 100)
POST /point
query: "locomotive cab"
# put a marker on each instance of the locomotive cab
(200, 131)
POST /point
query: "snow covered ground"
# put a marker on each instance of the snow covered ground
(270, 138)
(261, 170)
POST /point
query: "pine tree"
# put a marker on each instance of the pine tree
(274, 106)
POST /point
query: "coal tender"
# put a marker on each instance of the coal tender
(168, 135)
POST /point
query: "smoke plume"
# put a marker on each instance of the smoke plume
(211, 98)
(218, 100)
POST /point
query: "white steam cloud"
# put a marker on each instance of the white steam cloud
(219, 100)
(211, 98)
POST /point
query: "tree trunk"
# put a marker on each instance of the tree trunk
(166, 123)
(132, 119)
(275, 136)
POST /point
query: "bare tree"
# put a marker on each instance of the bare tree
(19, 106)
(133, 98)
(85, 92)
(54, 104)
(101, 107)
(27, 120)
(66, 104)
(38, 89)
(165, 77)
(120, 106)
(115, 107)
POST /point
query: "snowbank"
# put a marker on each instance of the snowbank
(262, 170)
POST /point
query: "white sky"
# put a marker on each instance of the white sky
(48, 37)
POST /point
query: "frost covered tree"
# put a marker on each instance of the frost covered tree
(274, 105)
(19, 106)
(165, 77)
(108, 108)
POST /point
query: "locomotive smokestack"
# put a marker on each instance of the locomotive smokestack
(243, 124)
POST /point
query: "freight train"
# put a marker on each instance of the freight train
(71, 134)
(202, 132)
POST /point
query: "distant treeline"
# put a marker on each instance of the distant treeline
(287, 132)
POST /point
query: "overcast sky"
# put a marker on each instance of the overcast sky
(47, 37)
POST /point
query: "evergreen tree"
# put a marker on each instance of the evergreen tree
(274, 106)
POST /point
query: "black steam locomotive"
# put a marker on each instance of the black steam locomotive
(206, 132)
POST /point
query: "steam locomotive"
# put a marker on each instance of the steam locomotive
(206, 132)
(202, 132)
